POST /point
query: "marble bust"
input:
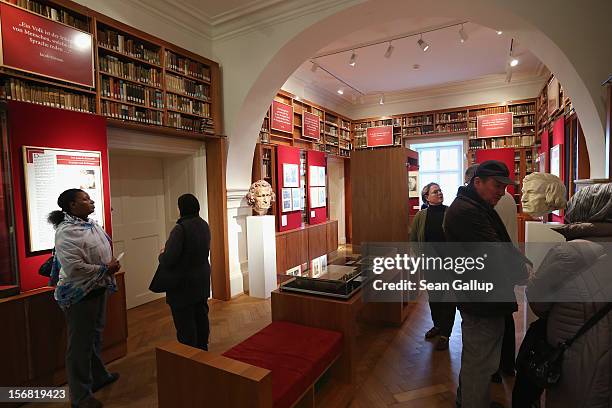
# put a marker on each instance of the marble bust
(542, 194)
(260, 196)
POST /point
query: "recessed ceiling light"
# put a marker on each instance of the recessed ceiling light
(499, 32)
(416, 67)
(353, 59)
(341, 91)
(514, 62)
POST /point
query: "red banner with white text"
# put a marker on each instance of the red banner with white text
(380, 136)
(282, 117)
(497, 124)
(39, 45)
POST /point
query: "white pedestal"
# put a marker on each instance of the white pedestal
(261, 250)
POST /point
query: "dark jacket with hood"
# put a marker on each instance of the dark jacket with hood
(470, 219)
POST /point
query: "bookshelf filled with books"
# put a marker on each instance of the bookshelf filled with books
(138, 80)
(292, 121)
(147, 81)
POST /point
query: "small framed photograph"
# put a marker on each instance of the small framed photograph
(322, 176)
(322, 197)
(413, 184)
(297, 271)
(315, 268)
(291, 175)
(296, 199)
(286, 199)
(314, 197)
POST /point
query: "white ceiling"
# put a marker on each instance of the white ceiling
(216, 10)
(484, 54)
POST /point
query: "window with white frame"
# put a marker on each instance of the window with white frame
(442, 163)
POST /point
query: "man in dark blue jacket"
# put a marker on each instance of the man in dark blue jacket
(471, 218)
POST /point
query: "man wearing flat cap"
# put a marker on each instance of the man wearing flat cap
(472, 219)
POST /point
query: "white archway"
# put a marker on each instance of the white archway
(273, 54)
(257, 61)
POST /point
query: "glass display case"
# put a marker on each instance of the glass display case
(332, 276)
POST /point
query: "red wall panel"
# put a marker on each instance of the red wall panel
(286, 154)
(503, 155)
(558, 138)
(34, 125)
(314, 158)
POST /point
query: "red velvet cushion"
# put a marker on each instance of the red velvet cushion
(295, 354)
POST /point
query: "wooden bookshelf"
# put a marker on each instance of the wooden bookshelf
(335, 130)
(140, 79)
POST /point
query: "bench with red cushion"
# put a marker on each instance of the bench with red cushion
(276, 367)
(296, 355)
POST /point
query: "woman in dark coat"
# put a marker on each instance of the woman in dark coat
(185, 258)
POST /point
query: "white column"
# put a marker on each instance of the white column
(237, 211)
(262, 255)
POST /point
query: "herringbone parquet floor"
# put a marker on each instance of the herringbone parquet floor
(398, 367)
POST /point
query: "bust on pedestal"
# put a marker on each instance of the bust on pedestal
(261, 241)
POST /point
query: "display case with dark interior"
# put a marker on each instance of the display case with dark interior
(8, 275)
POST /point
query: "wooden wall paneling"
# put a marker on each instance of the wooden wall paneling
(116, 332)
(376, 174)
(13, 343)
(332, 236)
(317, 241)
(47, 338)
(281, 254)
(216, 162)
(297, 248)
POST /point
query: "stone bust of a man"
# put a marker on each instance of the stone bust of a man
(260, 196)
(542, 193)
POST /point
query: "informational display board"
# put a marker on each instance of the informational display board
(282, 117)
(378, 136)
(48, 172)
(311, 125)
(42, 46)
(497, 124)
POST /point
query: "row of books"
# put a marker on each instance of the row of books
(345, 134)
(187, 105)
(18, 90)
(129, 70)
(187, 87)
(187, 66)
(178, 121)
(413, 131)
(128, 92)
(487, 111)
(528, 108)
(511, 141)
(451, 116)
(119, 110)
(527, 120)
(331, 130)
(452, 127)
(126, 45)
(53, 13)
(417, 120)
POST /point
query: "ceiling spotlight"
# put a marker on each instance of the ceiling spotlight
(416, 67)
(462, 35)
(381, 101)
(389, 51)
(353, 60)
(514, 62)
(341, 91)
(423, 44)
(314, 67)
(499, 32)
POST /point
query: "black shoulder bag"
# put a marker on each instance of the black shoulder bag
(47, 266)
(540, 362)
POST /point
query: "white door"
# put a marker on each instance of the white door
(137, 200)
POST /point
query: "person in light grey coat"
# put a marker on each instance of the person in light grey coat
(580, 269)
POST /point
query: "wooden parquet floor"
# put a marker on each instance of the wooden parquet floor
(398, 367)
